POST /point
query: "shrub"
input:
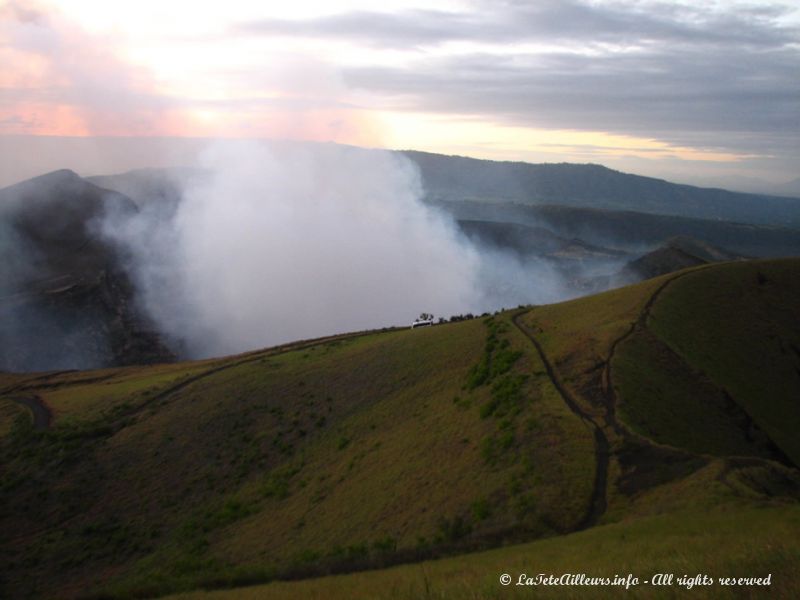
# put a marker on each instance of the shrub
(452, 530)
(480, 509)
(385, 545)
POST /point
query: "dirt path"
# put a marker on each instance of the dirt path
(639, 324)
(597, 503)
(42, 415)
(247, 358)
(597, 506)
(39, 410)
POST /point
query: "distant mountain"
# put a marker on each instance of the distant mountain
(65, 299)
(448, 178)
(526, 228)
(632, 231)
(531, 242)
(790, 188)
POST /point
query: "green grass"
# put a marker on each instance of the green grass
(366, 450)
(274, 452)
(662, 398)
(577, 335)
(756, 542)
(78, 401)
(739, 324)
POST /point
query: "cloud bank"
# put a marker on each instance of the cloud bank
(710, 76)
(693, 87)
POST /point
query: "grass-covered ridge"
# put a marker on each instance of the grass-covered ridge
(341, 453)
(762, 541)
(366, 450)
(716, 367)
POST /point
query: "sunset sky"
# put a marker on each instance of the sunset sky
(686, 90)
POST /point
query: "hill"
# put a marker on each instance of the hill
(677, 253)
(633, 412)
(160, 190)
(66, 300)
(761, 542)
(631, 231)
(458, 178)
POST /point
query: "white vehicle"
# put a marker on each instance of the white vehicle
(422, 323)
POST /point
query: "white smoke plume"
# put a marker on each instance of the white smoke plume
(289, 241)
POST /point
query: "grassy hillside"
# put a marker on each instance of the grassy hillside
(722, 354)
(254, 464)
(370, 449)
(685, 543)
(625, 356)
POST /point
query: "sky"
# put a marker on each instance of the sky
(704, 92)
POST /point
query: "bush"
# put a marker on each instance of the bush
(452, 530)
(385, 545)
(480, 509)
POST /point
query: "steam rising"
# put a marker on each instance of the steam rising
(283, 242)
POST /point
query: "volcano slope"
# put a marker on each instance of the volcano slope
(620, 426)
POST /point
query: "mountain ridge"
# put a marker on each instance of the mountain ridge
(597, 186)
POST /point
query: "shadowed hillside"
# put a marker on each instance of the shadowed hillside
(635, 232)
(66, 300)
(365, 450)
(678, 253)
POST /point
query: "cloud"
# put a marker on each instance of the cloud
(63, 80)
(672, 96)
(705, 76)
(513, 22)
(58, 78)
(401, 30)
(717, 78)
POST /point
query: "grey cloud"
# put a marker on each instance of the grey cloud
(380, 29)
(673, 94)
(545, 20)
(698, 76)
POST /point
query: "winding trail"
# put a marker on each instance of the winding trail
(249, 357)
(597, 502)
(39, 410)
(639, 324)
(42, 415)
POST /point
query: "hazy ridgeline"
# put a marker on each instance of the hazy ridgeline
(256, 243)
(268, 243)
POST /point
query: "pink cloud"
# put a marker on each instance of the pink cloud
(60, 79)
